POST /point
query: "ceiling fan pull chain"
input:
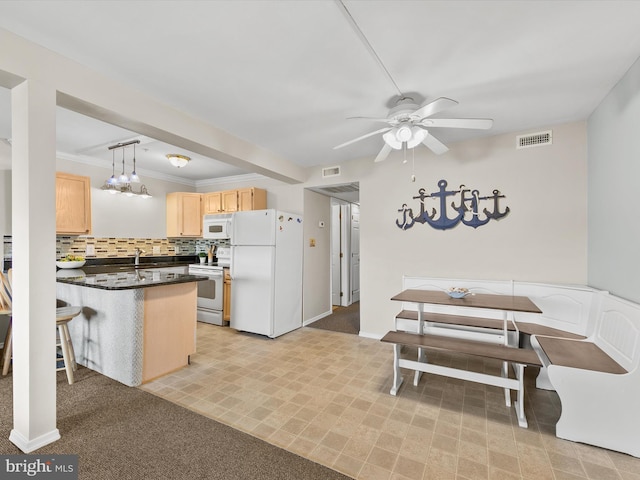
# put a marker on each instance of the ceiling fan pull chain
(413, 167)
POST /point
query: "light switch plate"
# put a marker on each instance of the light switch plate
(156, 249)
(91, 250)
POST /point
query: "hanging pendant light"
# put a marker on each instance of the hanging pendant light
(134, 178)
(123, 179)
(113, 180)
(122, 183)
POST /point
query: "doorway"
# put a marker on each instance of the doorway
(345, 253)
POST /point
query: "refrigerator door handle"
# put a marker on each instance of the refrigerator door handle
(231, 272)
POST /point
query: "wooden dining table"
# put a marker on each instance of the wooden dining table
(508, 304)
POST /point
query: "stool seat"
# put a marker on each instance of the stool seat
(67, 313)
(63, 316)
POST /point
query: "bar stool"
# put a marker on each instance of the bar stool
(5, 309)
(63, 316)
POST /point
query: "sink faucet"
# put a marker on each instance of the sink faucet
(138, 252)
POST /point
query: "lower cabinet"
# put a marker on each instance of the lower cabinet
(226, 296)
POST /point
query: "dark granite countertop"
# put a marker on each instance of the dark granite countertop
(125, 279)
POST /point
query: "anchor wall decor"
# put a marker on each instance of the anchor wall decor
(467, 211)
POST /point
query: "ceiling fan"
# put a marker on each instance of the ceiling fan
(409, 125)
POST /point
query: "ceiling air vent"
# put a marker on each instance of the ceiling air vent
(534, 139)
(346, 188)
(331, 172)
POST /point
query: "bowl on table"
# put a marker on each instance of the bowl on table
(457, 292)
(70, 263)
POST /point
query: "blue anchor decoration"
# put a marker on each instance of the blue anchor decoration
(442, 222)
(496, 215)
(405, 223)
(468, 209)
(423, 214)
(474, 221)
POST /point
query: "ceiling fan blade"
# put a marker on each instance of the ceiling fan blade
(438, 105)
(435, 145)
(373, 119)
(370, 134)
(475, 123)
(384, 153)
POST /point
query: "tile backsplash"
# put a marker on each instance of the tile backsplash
(111, 247)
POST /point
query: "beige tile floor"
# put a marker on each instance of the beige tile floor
(325, 396)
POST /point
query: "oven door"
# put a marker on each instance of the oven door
(210, 294)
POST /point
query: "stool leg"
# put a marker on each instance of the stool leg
(8, 347)
(64, 343)
(72, 353)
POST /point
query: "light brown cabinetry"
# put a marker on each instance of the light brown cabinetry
(184, 214)
(73, 204)
(221, 202)
(229, 201)
(226, 296)
(252, 199)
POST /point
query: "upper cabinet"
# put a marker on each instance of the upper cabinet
(221, 202)
(252, 199)
(184, 214)
(230, 201)
(73, 204)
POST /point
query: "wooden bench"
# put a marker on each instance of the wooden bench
(465, 322)
(593, 363)
(518, 357)
(598, 379)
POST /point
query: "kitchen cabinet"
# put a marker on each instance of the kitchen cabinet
(252, 199)
(73, 204)
(226, 296)
(184, 214)
(221, 202)
(229, 201)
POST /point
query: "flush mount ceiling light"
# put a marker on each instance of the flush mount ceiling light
(177, 160)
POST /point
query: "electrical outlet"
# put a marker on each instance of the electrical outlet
(156, 249)
(177, 249)
(91, 250)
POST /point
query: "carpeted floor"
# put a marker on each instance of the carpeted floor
(121, 432)
(343, 319)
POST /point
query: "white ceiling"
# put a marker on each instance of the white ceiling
(285, 75)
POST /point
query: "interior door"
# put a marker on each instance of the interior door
(355, 253)
(335, 254)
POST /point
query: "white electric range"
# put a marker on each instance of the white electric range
(210, 292)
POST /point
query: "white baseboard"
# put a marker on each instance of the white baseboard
(317, 317)
(27, 446)
(374, 336)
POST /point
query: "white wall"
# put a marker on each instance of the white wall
(614, 172)
(544, 237)
(122, 216)
(317, 259)
(5, 202)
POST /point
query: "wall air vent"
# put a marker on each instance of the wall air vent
(331, 171)
(534, 139)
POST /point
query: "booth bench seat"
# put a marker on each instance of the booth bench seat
(598, 379)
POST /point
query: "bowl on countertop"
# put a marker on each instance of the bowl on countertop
(457, 292)
(70, 264)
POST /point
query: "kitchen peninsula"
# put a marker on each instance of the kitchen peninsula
(135, 325)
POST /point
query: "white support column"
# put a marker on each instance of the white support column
(33, 108)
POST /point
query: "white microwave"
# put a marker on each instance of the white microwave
(217, 226)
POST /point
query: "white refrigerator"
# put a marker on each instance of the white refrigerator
(266, 272)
